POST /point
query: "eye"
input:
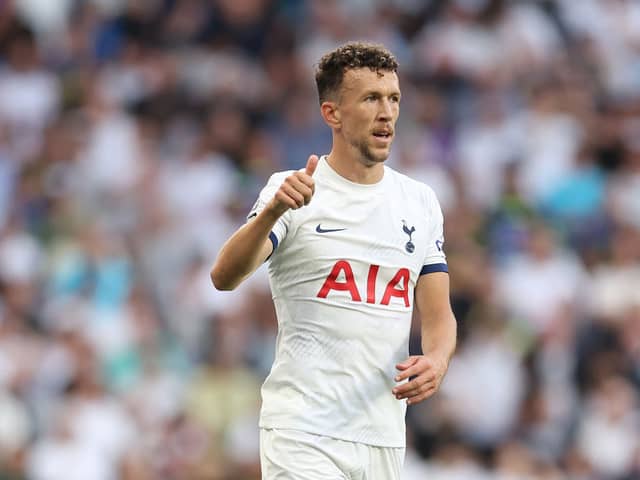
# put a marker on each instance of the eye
(395, 98)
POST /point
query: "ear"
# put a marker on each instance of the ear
(331, 114)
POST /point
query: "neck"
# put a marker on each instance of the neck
(348, 163)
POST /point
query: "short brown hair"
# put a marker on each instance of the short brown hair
(333, 65)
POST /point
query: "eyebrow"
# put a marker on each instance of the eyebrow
(380, 94)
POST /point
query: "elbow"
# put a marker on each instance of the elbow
(220, 282)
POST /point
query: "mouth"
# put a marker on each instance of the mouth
(384, 136)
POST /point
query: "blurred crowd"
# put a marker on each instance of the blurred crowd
(135, 136)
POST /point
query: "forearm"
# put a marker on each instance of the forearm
(244, 252)
(439, 336)
(424, 373)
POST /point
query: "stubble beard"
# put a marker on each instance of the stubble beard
(366, 154)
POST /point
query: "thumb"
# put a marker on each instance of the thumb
(312, 163)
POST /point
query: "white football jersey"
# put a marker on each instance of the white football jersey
(342, 274)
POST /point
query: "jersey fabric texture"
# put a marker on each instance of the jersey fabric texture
(342, 276)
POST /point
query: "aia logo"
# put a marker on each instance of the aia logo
(398, 286)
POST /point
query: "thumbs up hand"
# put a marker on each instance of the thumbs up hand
(312, 163)
(297, 189)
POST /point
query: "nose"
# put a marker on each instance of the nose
(385, 112)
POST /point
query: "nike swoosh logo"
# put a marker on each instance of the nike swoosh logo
(319, 229)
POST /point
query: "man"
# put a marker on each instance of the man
(346, 270)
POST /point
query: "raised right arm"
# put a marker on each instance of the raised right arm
(250, 245)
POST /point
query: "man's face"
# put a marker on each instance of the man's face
(369, 105)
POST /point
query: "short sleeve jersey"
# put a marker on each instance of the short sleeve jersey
(342, 275)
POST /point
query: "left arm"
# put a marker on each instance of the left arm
(438, 340)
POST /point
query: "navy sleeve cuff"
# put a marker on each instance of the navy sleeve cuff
(274, 242)
(436, 267)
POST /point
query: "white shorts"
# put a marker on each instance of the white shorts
(297, 455)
